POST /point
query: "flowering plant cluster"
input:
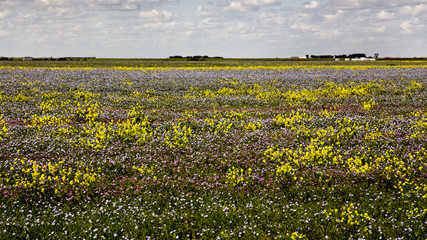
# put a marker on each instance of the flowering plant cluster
(257, 151)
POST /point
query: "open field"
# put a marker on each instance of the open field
(222, 149)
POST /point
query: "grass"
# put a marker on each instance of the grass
(223, 149)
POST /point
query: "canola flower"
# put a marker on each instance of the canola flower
(3, 128)
(28, 174)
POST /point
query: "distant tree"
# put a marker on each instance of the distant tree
(357, 55)
(322, 56)
(341, 56)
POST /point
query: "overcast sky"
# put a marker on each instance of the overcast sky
(228, 28)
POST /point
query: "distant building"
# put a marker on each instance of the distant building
(27, 59)
(363, 59)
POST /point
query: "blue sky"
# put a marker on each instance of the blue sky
(228, 28)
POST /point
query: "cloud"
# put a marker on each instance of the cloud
(157, 26)
(380, 29)
(420, 9)
(327, 33)
(406, 27)
(208, 9)
(222, 8)
(241, 30)
(370, 4)
(311, 5)
(154, 14)
(261, 3)
(4, 14)
(42, 39)
(89, 5)
(304, 27)
(3, 33)
(411, 26)
(240, 7)
(271, 18)
(334, 17)
(210, 23)
(384, 15)
(158, 20)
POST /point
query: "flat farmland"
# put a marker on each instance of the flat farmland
(213, 150)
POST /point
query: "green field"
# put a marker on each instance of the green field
(217, 149)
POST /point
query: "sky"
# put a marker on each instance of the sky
(227, 28)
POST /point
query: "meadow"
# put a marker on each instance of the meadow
(213, 150)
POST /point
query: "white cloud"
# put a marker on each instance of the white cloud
(221, 8)
(42, 39)
(327, 33)
(129, 6)
(311, 5)
(207, 10)
(380, 29)
(261, 3)
(416, 10)
(154, 14)
(304, 27)
(240, 7)
(157, 26)
(3, 33)
(406, 27)
(210, 23)
(270, 18)
(373, 4)
(240, 29)
(383, 15)
(5, 14)
(334, 17)
(98, 25)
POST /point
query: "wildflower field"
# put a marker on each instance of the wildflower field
(218, 150)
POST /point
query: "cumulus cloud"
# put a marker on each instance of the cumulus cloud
(3, 33)
(240, 29)
(154, 14)
(379, 29)
(158, 20)
(311, 5)
(304, 27)
(373, 4)
(220, 8)
(208, 9)
(211, 23)
(271, 18)
(420, 9)
(92, 5)
(5, 14)
(406, 27)
(261, 3)
(384, 15)
(334, 16)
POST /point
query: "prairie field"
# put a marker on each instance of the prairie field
(213, 150)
